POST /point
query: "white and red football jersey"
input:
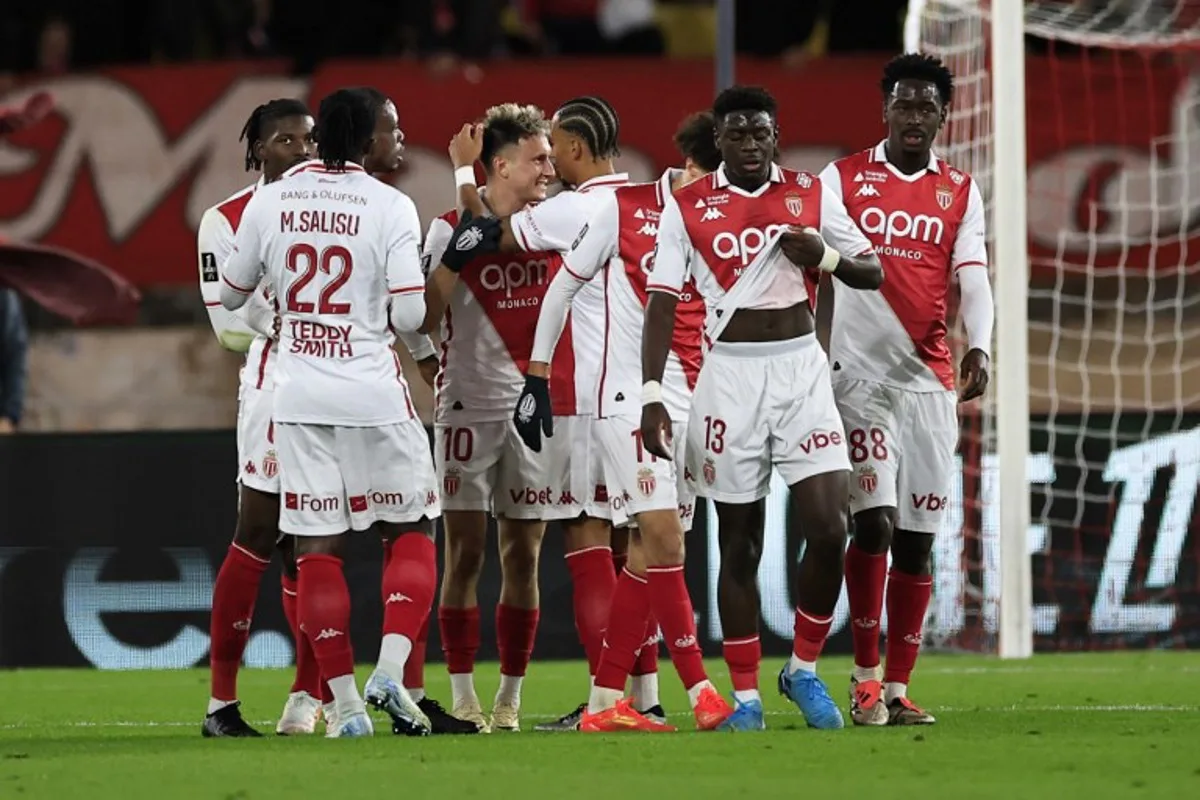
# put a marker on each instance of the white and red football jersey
(335, 247)
(554, 225)
(487, 332)
(712, 231)
(619, 240)
(218, 226)
(924, 228)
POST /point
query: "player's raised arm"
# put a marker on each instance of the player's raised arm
(214, 242)
(244, 268)
(969, 262)
(672, 253)
(595, 244)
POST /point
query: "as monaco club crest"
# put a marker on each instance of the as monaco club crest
(710, 471)
(868, 480)
(944, 197)
(646, 482)
(451, 481)
(794, 204)
(270, 465)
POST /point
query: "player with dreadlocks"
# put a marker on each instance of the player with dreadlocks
(278, 135)
(584, 135)
(894, 376)
(340, 250)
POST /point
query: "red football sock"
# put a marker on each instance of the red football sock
(516, 629)
(324, 606)
(308, 672)
(672, 606)
(326, 692)
(907, 601)
(460, 637)
(810, 634)
(593, 581)
(647, 660)
(743, 656)
(628, 616)
(234, 594)
(414, 667)
(408, 585)
(865, 577)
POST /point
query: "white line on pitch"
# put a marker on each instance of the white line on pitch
(1043, 709)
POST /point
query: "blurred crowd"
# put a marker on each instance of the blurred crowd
(57, 36)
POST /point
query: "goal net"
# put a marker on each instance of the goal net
(1113, 458)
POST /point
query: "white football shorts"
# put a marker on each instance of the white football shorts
(638, 481)
(901, 446)
(335, 479)
(258, 462)
(759, 405)
(484, 466)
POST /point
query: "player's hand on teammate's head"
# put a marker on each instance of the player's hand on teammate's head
(472, 237)
(973, 375)
(804, 247)
(466, 146)
(656, 430)
(533, 416)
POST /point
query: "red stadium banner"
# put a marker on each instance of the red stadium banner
(129, 160)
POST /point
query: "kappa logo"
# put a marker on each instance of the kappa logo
(867, 190)
(685, 642)
(650, 229)
(712, 214)
(398, 597)
(866, 623)
(241, 625)
(328, 633)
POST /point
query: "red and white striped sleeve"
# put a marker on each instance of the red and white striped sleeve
(673, 252)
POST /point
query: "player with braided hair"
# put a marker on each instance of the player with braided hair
(278, 135)
(341, 251)
(584, 135)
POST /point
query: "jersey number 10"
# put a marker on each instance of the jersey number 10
(304, 260)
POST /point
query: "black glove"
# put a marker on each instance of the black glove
(472, 237)
(533, 417)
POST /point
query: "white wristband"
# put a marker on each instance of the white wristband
(830, 260)
(464, 176)
(651, 392)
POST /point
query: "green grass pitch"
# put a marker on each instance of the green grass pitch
(1067, 726)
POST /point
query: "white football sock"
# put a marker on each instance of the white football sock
(892, 690)
(602, 699)
(866, 673)
(462, 688)
(644, 689)
(509, 692)
(215, 705)
(416, 694)
(694, 692)
(394, 651)
(346, 697)
(746, 695)
(795, 664)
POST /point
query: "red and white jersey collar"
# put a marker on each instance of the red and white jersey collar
(665, 182)
(721, 181)
(317, 165)
(616, 179)
(879, 155)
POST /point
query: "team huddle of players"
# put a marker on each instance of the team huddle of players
(605, 356)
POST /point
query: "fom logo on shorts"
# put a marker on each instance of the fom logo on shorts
(304, 501)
